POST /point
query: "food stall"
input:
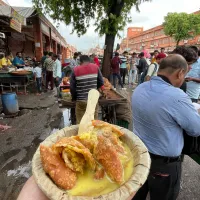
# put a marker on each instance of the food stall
(107, 102)
(15, 79)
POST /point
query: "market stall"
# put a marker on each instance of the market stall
(15, 80)
(108, 102)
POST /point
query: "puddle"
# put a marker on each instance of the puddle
(22, 171)
(66, 116)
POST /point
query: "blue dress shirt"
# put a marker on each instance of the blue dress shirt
(193, 88)
(160, 113)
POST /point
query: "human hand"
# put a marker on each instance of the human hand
(187, 79)
(31, 191)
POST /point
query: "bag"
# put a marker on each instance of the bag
(144, 74)
(191, 144)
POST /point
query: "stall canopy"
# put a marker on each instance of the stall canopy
(17, 16)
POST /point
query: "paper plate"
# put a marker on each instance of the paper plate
(140, 173)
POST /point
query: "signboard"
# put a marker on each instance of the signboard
(16, 21)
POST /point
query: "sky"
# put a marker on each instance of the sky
(151, 14)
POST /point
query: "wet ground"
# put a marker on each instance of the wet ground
(38, 117)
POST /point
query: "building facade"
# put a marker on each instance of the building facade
(32, 34)
(152, 39)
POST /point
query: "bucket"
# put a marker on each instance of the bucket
(10, 103)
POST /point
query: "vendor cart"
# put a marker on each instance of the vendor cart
(107, 105)
(14, 80)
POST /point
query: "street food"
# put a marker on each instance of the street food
(69, 144)
(89, 164)
(109, 159)
(53, 165)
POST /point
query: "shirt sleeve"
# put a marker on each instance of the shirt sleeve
(185, 114)
(73, 86)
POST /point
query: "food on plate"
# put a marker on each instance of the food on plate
(53, 165)
(96, 162)
(109, 159)
(69, 143)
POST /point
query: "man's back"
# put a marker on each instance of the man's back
(48, 64)
(160, 112)
(86, 78)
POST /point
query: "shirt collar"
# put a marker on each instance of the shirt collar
(164, 78)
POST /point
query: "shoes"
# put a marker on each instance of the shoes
(123, 88)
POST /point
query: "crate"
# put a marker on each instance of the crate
(122, 123)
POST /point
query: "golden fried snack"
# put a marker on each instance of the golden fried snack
(108, 157)
(74, 145)
(108, 128)
(53, 165)
(73, 160)
(109, 131)
(99, 173)
(87, 139)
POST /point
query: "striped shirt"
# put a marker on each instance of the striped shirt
(48, 64)
(83, 79)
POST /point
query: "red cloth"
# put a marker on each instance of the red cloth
(115, 62)
(83, 70)
(161, 55)
(96, 61)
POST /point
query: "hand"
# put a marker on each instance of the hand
(31, 191)
(189, 79)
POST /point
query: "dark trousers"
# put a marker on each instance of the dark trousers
(49, 78)
(163, 182)
(195, 100)
(123, 73)
(117, 75)
(39, 84)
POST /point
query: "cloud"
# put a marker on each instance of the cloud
(151, 14)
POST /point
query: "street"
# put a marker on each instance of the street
(38, 118)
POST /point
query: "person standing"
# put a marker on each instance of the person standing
(74, 61)
(84, 77)
(95, 60)
(57, 73)
(153, 68)
(155, 54)
(37, 71)
(193, 80)
(162, 50)
(115, 63)
(123, 67)
(133, 69)
(48, 65)
(161, 111)
(18, 61)
(142, 66)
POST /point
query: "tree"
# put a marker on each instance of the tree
(182, 26)
(109, 16)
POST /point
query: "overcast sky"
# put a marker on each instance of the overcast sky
(151, 14)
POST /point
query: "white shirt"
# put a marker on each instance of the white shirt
(38, 72)
(57, 69)
(151, 70)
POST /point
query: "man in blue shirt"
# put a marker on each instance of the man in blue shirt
(193, 80)
(18, 61)
(160, 113)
